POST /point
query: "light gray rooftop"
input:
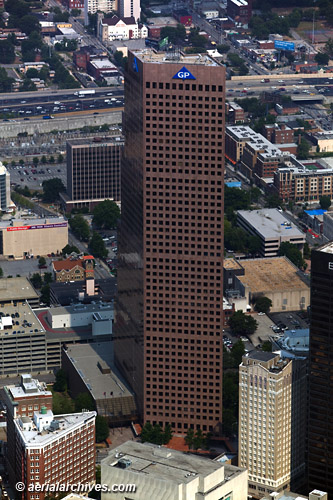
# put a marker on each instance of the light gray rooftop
(150, 56)
(82, 308)
(32, 388)
(66, 422)
(16, 289)
(166, 464)
(32, 221)
(28, 323)
(270, 223)
(85, 358)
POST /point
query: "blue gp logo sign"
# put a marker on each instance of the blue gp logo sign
(183, 74)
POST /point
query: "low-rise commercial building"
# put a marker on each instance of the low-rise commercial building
(272, 228)
(272, 421)
(54, 449)
(324, 141)
(240, 11)
(90, 368)
(276, 278)
(183, 16)
(170, 474)
(116, 28)
(99, 315)
(155, 24)
(74, 268)
(235, 112)
(289, 495)
(20, 238)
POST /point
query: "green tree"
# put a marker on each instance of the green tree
(102, 429)
(238, 351)
(60, 158)
(322, 58)
(68, 249)
(267, 346)
(80, 227)
(43, 159)
(325, 202)
(61, 404)
(263, 304)
(1, 272)
(189, 438)
(32, 73)
(229, 422)
(97, 246)
(7, 52)
(223, 48)
(42, 261)
(51, 159)
(36, 280)
(241, 323)
(45, 295)
(272, 201)
(175, 35)
(198, 440)
(75, 12)
(60, 385)
(29, 24)
(306, 251)
(292, 253)
(84, 401)
(47, 278)
(35, 160)
(303, 149)
(106, 214)
(167, 434)
(51, 189)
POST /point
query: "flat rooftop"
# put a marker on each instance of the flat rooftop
(98, 142)
(23, 318)
(231, 264)
(79, 308)
(271, 274)
(166, 464)
(328, 248)
(261, 355)
(16, 289)
(86, 358)
(150, 56)
(32, 388)
(66, 422)
(32, 222)
(270, 223)
(242, 132)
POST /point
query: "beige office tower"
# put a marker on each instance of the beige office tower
(272, 422)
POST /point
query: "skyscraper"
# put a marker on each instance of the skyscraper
(272, 421)
(320, 433)
(170, 306)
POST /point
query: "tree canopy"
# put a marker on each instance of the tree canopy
(263, 304)
(325, 202)
(242, 324)
(80, 227)
(97, 246)
(155, 434)
(102, 429)
(51, 189)
(292, 253)
(106, 215)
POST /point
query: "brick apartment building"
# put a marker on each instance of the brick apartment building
(53, 449)
(235, 113)
(21, 401)
(278, 133)
(239, 11)
(73, 269)
(170, 261)
(299, 183)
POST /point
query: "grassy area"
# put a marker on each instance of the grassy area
(304, 27)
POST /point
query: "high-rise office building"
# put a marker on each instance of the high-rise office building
(130, 8)
(93, 171)
(272, 421)
(5, 201)
(320, 433)
(170, 305)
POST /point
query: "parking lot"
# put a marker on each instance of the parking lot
(24, 267)
(33, 176)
